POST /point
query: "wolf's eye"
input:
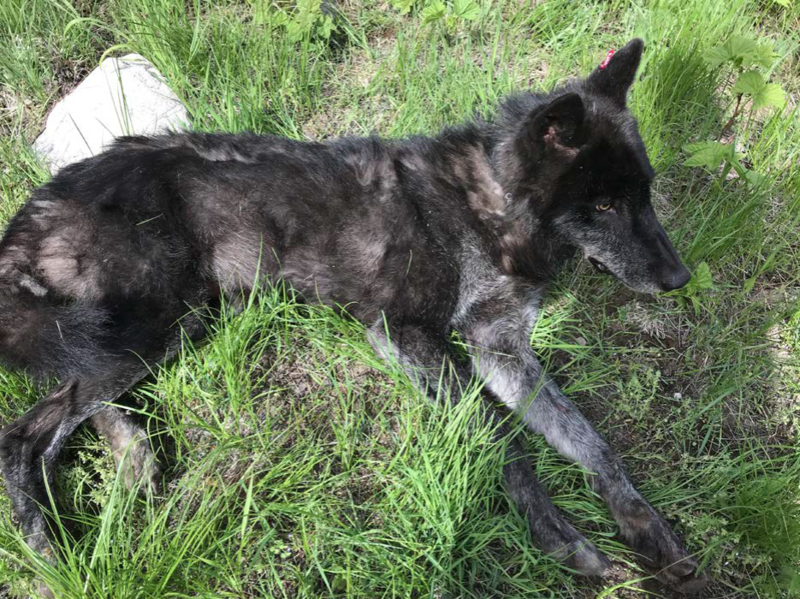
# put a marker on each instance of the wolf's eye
(603, 207)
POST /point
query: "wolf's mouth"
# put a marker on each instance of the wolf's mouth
(599, 265)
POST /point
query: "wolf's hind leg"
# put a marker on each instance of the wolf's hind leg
(30, 445)
(427, 359)
(130, 447)
(128, 440)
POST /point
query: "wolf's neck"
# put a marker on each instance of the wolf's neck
(529, 248)
(526, 246)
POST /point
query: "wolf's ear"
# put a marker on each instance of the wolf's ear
(615, 78)
(558, 126)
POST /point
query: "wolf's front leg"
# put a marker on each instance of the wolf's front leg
(497, 330)
(426, 358)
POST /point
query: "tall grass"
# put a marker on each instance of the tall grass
(298, 465)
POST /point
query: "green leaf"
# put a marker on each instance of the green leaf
(700, 281)
(762, 56)
(763, 93)
(735, 49)
(433, 12)
(709, 154)
(404, 6)
(294, 30)
(325, 27)
(716, 56)
(741, 51)
(749, 284)
(695, 305)
(753, 178)
(702, 277)
(466, 9)
(771, 95)
(751, 82)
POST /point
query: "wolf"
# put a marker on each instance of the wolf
(116, 260)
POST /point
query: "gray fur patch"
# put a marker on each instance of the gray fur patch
(486, 197)
(27, 282)
(65, 271)
(307, 273)
(239, 260)
(223, 154)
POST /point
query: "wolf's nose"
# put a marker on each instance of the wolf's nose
(675, 278)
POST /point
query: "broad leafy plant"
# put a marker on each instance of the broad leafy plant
(750, 63)
(690, 294)
(438, 11)
(306, 19)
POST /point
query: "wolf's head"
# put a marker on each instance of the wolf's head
(579, 153)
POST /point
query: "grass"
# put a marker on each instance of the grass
(297, 464)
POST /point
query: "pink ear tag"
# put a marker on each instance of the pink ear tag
(607, 59)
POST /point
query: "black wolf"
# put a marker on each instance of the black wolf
(111, 262)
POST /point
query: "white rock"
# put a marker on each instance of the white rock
(123, 96)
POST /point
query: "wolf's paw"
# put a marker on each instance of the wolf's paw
(587, 559)
(682, 575)
(136, 462)
(581, 555)
(653, 539)
(560, 541)
(41, 545)
(42, 591)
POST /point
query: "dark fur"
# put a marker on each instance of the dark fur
(106, 264)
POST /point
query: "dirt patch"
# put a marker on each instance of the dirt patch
(303, 389)
(354, 77)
